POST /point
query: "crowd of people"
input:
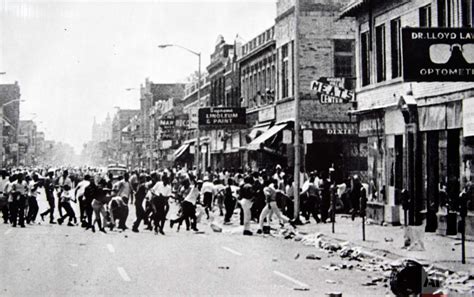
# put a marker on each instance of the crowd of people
(104, 200)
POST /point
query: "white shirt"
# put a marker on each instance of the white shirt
(160, 188)
(81, 187)
(207, 187)
(3, 183)
(192, 195)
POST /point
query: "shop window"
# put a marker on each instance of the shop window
(396, 56)
(343, 58)
(425, 16)
(380, 52)
(365, 58)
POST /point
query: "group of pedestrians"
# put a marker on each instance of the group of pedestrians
(104, 200)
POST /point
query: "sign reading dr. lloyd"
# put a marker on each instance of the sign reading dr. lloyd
(222, 117)
(438, 54)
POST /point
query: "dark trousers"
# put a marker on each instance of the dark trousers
(17, 210)
(50, 211)
(188, 213)
(140, 213)
(60, 207)
(32, 209)
(160, 207)
(88, 212)
(69, 212)
(207, 202)
(229, 204)
(257, 207)
(82, 209)
(120, 213)
(5, 212)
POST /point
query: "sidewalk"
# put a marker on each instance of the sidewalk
(387, 242)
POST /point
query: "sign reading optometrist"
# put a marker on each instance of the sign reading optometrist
(222, 117)
(438, 54)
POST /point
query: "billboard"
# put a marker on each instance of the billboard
(438, 54)
(222, 117)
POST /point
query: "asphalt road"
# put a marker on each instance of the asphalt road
(52, 260)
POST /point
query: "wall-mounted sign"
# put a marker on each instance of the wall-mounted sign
(287, 136)
(167, 123)
(307, 136)
(222, 117)
(266, 114)
(331, 94)
(438, 54)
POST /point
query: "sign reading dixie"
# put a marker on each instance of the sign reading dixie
(222, 117)
(438, 54)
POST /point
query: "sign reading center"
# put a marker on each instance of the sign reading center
(331, 94)
(222, 117)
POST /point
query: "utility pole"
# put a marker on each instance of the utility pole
(297, 113)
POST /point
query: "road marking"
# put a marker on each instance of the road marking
(231, 251)
(123, 274)
(111, 248)
(290, 278)
(8, 231)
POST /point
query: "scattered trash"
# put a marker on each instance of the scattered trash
(275, 260)
(215, 227)
(82, 244)
(126, 236)
(330, 281)
(313, 257)
(297, 256)
(223, 267)
(388, 239)
(335, 294)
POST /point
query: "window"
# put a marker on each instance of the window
(343, 58)
(467, 13)
(284, 71)
(365, 58)
(395, 45)
(444, 13)
(425, 16)
(380, 52)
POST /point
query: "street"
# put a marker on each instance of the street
(53, 260)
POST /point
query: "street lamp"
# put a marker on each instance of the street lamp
(198, 141)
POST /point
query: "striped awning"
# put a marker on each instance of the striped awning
(258, 142)
(352, 8)
(334, 126)
(180, 151)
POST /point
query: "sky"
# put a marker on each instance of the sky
(75, 59)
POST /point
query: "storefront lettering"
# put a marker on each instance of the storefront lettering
(331, 94)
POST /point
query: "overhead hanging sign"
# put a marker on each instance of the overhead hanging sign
(438, 54)
(331, 94)
(222, 117)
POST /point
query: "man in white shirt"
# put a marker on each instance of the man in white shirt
(79, 194)
(189, 207)
(4, 181)
(19, 191)
(207, 192)
(161, 192)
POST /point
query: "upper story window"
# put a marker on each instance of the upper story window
(380, 52)
(396, 57)
(467, 13)
(284, 71)
(425, 16)
(343, 58)
(365, 58)
(444, 13)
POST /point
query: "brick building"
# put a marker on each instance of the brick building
(224, 79)
(326, 54)
(257, 65)
(9, 121)
(434, 148)
(119, 141)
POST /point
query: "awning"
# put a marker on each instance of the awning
(257, 131)
(257, 142)
(352, 8)
(180, 151)
(204, 139)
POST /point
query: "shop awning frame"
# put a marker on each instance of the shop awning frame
(258, 142)
(180, 151)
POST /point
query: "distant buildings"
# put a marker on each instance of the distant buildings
(9, 121)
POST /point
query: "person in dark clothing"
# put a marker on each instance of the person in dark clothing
(139, 197)
(33, 208)
(229, 201)
(17, 209)
(259, 200)
(355, 195)
(246, 199)
(90, 193)
(48, 185)
(325, 197)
